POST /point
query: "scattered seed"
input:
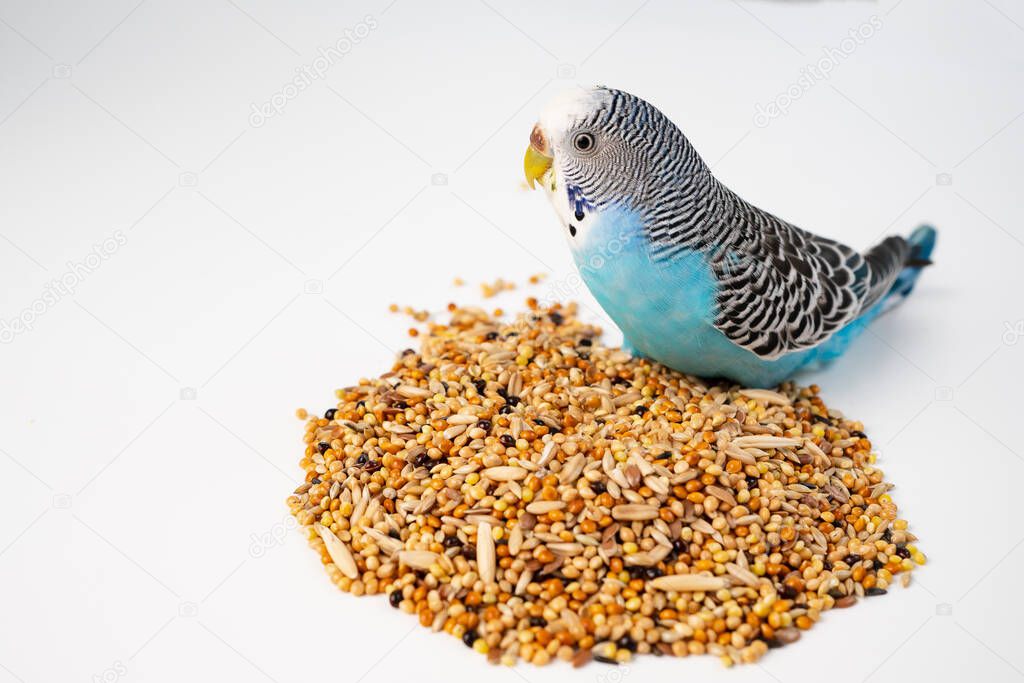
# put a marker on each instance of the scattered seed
(339, 552)
(505, 473)
(485, 552)
(538, 494)
(542, 507)
(634, 512)
(688, 583)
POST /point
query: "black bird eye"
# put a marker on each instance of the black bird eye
(584, 142)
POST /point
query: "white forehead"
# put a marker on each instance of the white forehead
(569, 106)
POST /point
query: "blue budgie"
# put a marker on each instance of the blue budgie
(696, 277)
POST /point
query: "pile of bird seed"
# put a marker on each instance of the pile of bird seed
(539, 495)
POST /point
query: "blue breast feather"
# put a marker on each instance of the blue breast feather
(667, 310)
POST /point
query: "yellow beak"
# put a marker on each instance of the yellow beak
(535, 164)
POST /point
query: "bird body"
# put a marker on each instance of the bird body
(697, 278)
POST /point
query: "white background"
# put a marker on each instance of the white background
(139, 536)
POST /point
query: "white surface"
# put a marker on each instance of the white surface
(127, 545)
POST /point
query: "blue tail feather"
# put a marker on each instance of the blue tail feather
(922, 242)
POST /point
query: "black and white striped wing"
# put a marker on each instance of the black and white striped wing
(783, 289)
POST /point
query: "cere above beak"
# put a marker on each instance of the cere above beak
(538, 159)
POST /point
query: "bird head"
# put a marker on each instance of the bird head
(595, 148)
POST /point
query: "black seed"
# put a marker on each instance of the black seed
(821, 418)
(598, 487)
(323, 446)
(572, 231)
(480, 385)
(512, 401)
(484, 425)
(507, 441)
(491, 336)
(329, 413)
(902, 551)
(361, 460)
(605, 660)
(469, 637)
(858, 434)
(586, 342)
(394, 534)
(835, 593)
(395, 598)
(622, 381)
(853, 559)
(875, 590)
(505, 409)
(584, 355)
(315, 480)
(752, 482)
(579, 214)
(652, 573)
(452, 541)
(556, 317)
(877, 564)
(887, 535)
(538, 621)
(406, 352)
(787, 591)
(640, 410)
(401, 405)
(539, 422)
(626, 643)
(503, 392)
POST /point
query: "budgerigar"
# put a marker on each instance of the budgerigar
(696, 277)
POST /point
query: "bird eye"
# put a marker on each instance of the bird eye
(583, 142)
